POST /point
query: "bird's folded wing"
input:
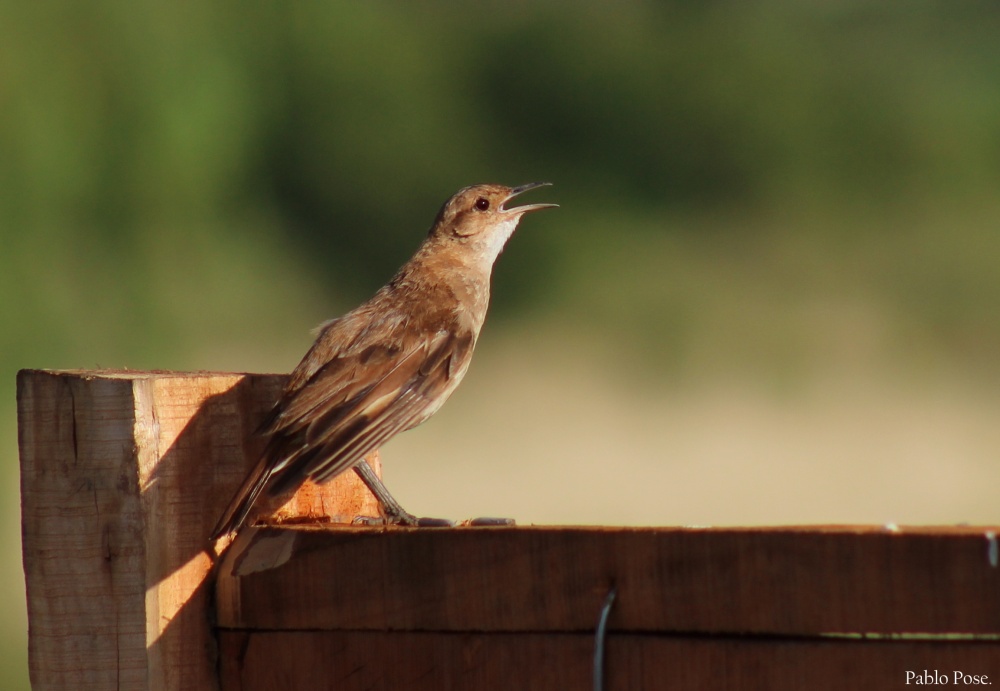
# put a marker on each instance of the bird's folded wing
(358, 401)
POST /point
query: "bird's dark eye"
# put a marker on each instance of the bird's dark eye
(482, 203)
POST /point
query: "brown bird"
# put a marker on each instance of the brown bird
(388, 365)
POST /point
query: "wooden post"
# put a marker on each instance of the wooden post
(123, 475)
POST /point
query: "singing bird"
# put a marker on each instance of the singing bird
(389, 364)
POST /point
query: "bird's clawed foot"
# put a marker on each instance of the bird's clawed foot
(426, 522)
(395, 514)
(406, 519)
(489, 521)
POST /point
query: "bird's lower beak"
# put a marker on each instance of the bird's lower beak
(528, 207)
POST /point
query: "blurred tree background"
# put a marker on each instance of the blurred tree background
(778, 240)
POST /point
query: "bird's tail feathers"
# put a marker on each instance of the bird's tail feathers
(243, 501)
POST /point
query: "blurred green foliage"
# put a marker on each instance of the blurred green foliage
(751, 184)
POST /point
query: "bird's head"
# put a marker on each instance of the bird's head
(479, 218)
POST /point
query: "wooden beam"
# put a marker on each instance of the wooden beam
(431, 661)
(776, 581)
(516, 608)
(123, 475)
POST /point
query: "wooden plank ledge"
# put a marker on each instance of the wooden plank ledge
(515, 608)
(765, 581)
(432, 661)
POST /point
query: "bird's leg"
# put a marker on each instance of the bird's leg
(395, 514)
(394, 511)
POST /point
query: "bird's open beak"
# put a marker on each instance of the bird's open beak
(527, 207)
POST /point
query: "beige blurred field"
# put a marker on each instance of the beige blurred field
(549, 436)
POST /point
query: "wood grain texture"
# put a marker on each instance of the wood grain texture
(429, 661)
(123, 475)
(782, 581)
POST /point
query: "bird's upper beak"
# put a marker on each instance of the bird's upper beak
(527, 207)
